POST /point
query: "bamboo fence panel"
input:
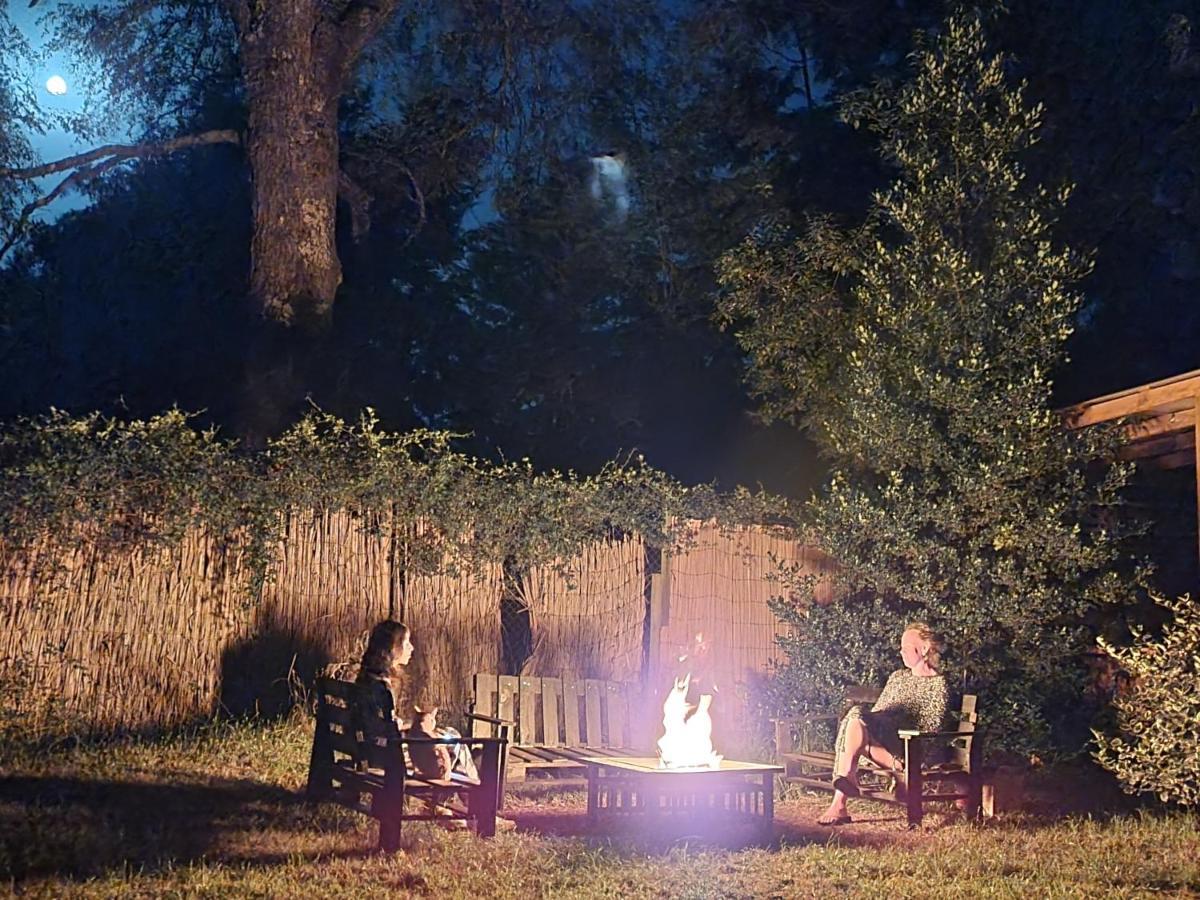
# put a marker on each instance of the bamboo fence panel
(142, 639)
(719, 588)
(129, 640)
(454, 616)
(587, 617)
(328, 582)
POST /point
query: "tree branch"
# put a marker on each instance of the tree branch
(359, 202)
(419, 199)
(360, 21)
(96, 162)
(125, 151)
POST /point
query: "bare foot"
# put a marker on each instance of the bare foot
(835, 815)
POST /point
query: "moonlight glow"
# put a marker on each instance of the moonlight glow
(56, 85)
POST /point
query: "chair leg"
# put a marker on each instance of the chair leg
(389, 834)
(974, 807)
(913, 783)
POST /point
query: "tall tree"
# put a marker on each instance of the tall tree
(918, 349)
(294, 61)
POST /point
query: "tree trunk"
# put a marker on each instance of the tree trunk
(292, 148)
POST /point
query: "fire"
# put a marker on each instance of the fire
(687, 740)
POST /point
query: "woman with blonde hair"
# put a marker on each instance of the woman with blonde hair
(914, 697)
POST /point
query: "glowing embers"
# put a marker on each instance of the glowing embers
(687, 739)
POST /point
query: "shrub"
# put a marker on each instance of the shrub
(1157, 741)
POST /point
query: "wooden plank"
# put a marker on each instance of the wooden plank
(1181, 460)
(485, 705)
(1162, 445)
(591, 701)
(551, 700)
(1196, 441)
(506, 691)
(333, 687)
(335, 715)
(571, 689)
(1177, 392)
(530, 693)
(618, 720)
(960, 752)
(1163, 423)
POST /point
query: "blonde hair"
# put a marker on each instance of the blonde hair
(932, 638)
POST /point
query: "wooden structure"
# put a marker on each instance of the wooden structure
(929, 776)
(636, 789)
(1161, 421)
(556, 722)
(363, 765)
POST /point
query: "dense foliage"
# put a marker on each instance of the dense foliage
(1158, 713)
(125, 484)
(918, 349)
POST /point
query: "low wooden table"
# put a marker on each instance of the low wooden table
(637, 789)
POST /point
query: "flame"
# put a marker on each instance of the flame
(687, 740)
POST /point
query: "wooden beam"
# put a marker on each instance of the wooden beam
(1169, 395)
(1183, 420)
(1163, 445)
(1196, 450)
(1181, 460)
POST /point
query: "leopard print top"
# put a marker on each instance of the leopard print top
(914, 701)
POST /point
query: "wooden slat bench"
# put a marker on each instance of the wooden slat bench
(363, 765)
(957, 776)
(557, 721)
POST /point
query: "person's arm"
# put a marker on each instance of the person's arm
(932, 713)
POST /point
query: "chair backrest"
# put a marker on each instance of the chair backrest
(960, 748)
(557, 712)
(371, 741)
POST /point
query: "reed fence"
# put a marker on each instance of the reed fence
(98, 641)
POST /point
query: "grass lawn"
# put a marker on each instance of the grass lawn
(218, 813)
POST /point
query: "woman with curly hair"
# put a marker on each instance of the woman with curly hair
(384, 692)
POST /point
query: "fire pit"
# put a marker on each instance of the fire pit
(640, 789)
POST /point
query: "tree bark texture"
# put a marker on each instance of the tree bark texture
(292, 91)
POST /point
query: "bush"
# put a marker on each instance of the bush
(1158, 718)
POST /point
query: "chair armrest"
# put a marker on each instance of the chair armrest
(452, 740)
(804, 720)
(910, 733)
(491, 719)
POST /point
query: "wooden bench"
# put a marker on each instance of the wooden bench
(957, 775)
(363, 765)
(555, 722)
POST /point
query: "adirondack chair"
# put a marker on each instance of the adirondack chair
(555, 722)
(955, 774)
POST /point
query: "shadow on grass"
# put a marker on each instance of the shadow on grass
(77, 827)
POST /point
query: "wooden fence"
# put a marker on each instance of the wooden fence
(151, 638)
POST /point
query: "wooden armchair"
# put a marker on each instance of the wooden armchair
(954, 774)
(364, 766)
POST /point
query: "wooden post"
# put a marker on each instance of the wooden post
(1196, 469)
(660, 615)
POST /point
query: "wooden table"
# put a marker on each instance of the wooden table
(636, 789)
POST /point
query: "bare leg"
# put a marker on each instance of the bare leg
(854, 741)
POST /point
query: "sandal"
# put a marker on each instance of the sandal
(846, 786)
(834, 823)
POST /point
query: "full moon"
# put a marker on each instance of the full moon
(57, 85)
